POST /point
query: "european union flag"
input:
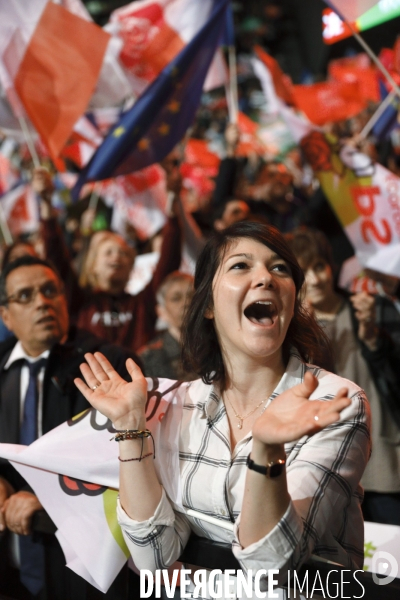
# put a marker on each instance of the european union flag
(158, 120)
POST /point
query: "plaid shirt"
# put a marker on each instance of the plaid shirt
(323, 474)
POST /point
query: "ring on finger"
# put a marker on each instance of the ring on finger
(94, 387)
(316, 418)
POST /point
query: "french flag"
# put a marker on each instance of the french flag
(51, 60)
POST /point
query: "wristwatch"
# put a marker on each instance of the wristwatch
(273, 469)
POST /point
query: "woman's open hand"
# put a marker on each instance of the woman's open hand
(122, 402)
(292, 415)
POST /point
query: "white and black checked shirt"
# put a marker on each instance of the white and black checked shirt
(323, 474)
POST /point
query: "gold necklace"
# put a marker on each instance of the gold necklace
(241, 418)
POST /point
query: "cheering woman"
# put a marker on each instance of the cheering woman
(267, 442)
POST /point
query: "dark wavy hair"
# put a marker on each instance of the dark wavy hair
(201, 351)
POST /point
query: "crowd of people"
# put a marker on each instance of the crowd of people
(282, 369)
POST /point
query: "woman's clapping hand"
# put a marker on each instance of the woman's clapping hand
(291, 415)
(122, 402)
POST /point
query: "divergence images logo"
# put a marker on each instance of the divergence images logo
(384, 563)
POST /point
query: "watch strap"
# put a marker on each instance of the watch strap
(272, 469)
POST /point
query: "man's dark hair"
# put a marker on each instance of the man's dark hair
(8, 251)
(22, 261)
(201, 350)
(219, 209)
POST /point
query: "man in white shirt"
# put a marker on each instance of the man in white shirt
(37, 368)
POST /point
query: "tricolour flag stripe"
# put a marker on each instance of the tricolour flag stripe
(58, 73)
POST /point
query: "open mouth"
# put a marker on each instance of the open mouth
(261, 312)
(114, 266)
(44, 320)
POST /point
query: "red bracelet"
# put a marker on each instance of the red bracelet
(139, 458)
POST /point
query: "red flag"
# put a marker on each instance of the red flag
(58, 72)
(282, 83)
(197, 152)
(334, 29)
(249, 142)
(82, 143)
(357, 68)
(79, 152)
(329, 101)
(390, 60)
(8, 175)
(198, 170)
(396, 55)
(20, 210)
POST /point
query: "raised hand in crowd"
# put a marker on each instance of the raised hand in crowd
(87, 218)
(42, 184)
(364, 311)
(174, 177)
(232, 136)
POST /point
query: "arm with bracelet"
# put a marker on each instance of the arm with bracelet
(124, 404)
(142, 500)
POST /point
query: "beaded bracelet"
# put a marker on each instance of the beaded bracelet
(135, 434)
(131, 434)
(139, 459)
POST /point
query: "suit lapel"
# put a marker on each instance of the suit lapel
(10, 380)
(58, 386)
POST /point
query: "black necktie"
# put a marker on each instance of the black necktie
(32, 571)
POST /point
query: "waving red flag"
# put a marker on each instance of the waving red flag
(330, 101)
(56, 65)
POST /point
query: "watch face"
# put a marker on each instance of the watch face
(276, 470)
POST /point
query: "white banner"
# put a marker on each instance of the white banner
(365, 197)
(74, 470)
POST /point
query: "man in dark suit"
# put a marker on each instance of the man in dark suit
(37, 393)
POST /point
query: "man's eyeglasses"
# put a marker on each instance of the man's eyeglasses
(27, 295)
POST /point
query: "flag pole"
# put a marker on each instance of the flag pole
(375, 117)
(5, 230)
(93, 201)
(95, 195)
(29, 141)
(232, 89)
(372, 56)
